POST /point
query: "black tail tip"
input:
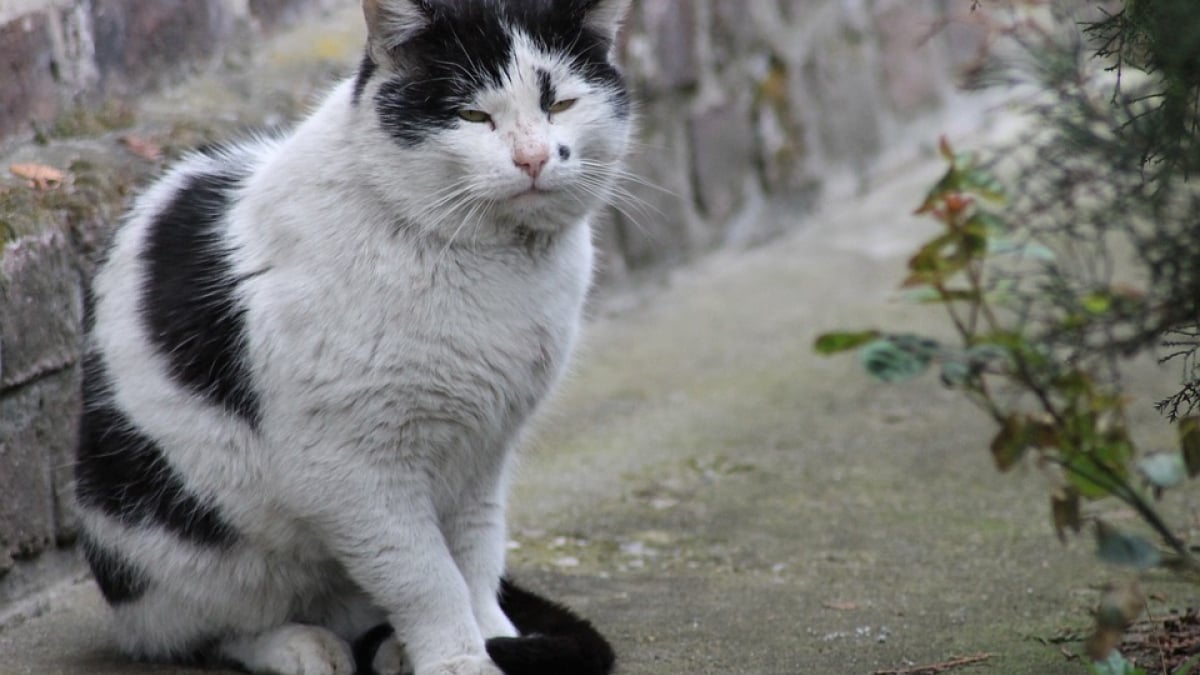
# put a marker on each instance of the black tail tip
(554, 640)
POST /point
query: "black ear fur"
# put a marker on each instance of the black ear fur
(554, 640)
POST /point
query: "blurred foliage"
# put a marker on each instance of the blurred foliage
(1089, 257)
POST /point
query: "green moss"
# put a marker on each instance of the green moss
(85, 120)
(93, 193)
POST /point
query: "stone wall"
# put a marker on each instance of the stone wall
(57, 54)
(749, 108)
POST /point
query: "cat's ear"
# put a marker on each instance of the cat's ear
(605, 17)
(391, 23)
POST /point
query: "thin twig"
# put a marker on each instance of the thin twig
(934, 668)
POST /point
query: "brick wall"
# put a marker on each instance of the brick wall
(749, 107)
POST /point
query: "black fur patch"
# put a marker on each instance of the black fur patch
(119, 580)
(554, 640)
(366, 69)
(122, 472)
(188, 302)
(546, 86)
(466, 47)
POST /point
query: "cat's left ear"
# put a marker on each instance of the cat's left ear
(605, 17)
(391, 23)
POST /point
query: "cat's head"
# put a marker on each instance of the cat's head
(506, 112)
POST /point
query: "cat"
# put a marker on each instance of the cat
(311, 356)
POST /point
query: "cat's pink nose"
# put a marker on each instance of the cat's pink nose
(532, 159)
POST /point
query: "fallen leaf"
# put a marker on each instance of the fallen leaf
(841, 606)
(146, 149)
(40, 176)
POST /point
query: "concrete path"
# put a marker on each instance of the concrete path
(718, 499)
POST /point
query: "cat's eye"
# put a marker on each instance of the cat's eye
(563, 105)
(476, 116)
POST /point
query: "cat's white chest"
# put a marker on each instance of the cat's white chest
(419, 348)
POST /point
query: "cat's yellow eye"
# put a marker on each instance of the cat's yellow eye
(476, 116)
(563, 105)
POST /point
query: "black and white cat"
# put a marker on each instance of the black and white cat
(311, 357)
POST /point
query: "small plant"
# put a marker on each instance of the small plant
(1050, 288)
(1050, 402)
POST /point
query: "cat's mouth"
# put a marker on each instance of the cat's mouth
(533, 191)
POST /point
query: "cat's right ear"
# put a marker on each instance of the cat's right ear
(391, 23)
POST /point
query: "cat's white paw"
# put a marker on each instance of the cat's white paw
(294, 650)
(464, 665)
(390, 659)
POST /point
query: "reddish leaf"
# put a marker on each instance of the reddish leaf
(40, 176)
(146, 149)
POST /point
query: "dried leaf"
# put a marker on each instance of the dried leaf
(40, 176)
(1010, 444)
(841, 606)
(146, 149)
(1189, 441)
(1064, 505)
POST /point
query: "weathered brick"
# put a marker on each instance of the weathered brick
(908, 55)
(141, 44)
(41, 309)
(272, 13)
(723, 158)
(734, 33)
(672, 26)
(841, 78)
(27, 73)
(61, 405)
(27, 500)
(656, 222)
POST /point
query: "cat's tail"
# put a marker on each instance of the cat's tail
(554, 640)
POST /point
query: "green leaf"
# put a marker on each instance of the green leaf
(1128, 550)
(982, 183)
(984, 356)
(894, 359)
(1115, 664)
(998, 246)
(834, 343)
(988, 223)
(1189, 442)
(956, 373)
(1097, 302)
(1086, 475)
(1164, 470)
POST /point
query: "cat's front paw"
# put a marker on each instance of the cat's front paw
(390, 659)
(463, 665)
(294, 650)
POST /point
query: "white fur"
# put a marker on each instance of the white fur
(400, 338)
